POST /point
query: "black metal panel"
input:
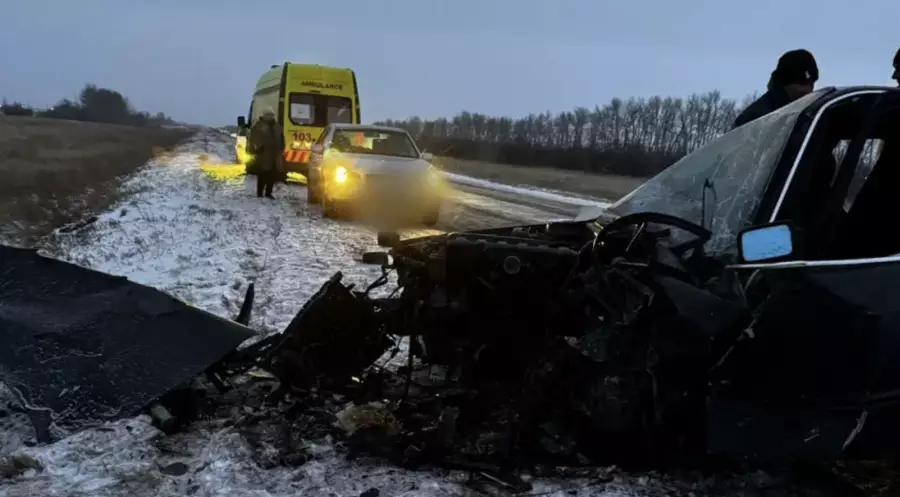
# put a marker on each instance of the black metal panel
(87, 347)
(825, 350)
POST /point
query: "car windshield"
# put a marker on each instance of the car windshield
(374, 142)
(735, 168)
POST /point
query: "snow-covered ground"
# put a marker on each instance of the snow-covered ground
(204, 240)
(205, 237)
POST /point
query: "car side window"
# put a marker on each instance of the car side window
(871, 194)
(808, 199)
(867, 159)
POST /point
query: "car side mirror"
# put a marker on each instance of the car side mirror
(242, 122)
(767, 243)
(317, 148)
(427, 156)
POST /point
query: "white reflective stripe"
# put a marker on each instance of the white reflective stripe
(812, 128)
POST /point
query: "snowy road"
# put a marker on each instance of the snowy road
(204, 240)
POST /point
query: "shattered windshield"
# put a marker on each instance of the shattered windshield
(735, 168)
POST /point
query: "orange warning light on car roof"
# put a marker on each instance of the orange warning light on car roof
(359, 139)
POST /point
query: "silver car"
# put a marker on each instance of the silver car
(373, 171)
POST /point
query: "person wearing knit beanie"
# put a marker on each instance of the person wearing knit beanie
(794, 76)
(796, 71)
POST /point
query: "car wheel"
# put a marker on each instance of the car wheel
(313, 193)
(330, 209)
(432, 218)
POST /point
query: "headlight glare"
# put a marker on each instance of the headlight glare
(341, 174)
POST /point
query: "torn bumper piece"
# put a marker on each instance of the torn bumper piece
(335, 334)
(81, 347)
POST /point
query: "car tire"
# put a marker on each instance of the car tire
(431, 219)
(330, 209)
(313, 193)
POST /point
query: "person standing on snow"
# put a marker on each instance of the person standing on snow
(794, 77)
(265, 146)
(896, 75)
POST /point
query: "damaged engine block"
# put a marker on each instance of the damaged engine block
(557, 339)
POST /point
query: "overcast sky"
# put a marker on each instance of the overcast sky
(198, 60)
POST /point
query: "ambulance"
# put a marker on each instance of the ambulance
(305, 98)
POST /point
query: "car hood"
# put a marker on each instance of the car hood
(380, 164)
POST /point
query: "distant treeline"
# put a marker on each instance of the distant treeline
(635, 137)
(94, 104)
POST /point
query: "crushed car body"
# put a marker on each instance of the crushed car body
(717, 309)
(547, 340)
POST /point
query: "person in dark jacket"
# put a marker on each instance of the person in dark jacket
(794, 77)
(266, 148)
(896, 75)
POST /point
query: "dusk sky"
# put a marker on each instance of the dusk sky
(198, 60)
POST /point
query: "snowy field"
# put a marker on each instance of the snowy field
(204, 240)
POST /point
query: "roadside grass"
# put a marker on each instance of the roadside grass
(604, 186)
(54, 172)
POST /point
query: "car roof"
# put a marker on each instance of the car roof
(368, 127)
(850, 89)
(832, 92)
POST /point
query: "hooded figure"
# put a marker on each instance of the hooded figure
(896, 75)
(265, 144)
(794, 77)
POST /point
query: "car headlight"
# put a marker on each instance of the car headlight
(341, 174)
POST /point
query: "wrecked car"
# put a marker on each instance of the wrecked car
(740, 302)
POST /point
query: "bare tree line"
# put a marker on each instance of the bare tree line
(636, 137)
(94, 104)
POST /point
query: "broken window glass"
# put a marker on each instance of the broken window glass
(867, 159)
(736, 169)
